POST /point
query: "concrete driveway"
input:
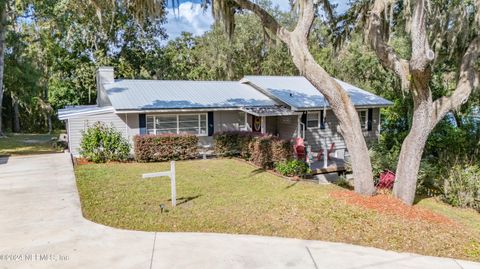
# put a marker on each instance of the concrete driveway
(41, 226)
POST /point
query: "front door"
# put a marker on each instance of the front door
(256, 124)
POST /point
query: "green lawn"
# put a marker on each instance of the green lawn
(230, 196)
(25, 144)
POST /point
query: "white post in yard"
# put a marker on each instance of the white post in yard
(171, 175)
(173, 184)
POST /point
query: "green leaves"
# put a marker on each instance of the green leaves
(292, 168)
(101, 143)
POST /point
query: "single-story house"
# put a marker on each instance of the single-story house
(287, 106)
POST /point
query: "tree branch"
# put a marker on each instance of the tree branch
(305, 21)
(268, 21)
(469, 79)
(376, 35)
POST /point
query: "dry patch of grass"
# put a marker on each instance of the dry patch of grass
(26, 144)
(229, 196)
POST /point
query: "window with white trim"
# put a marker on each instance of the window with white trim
(363, 115)
(177, 124)
(313, 119)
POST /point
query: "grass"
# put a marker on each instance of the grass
(230, 196)
(26, 144)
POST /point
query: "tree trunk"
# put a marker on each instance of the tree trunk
(49, 122)
(343, 109)
(16, 115)
(411, 154)
(3, 25)
(412, 147)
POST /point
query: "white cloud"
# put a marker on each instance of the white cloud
(188, 17)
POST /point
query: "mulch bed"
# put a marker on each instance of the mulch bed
(81, 161)
(386, 204)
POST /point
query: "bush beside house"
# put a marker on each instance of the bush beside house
(233, 143)
(154, 148)
(262, 150)
(102, 143)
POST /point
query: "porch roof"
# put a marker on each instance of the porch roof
(270, 111)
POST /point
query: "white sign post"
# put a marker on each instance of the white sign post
(171, 175)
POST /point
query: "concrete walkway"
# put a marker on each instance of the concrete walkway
(41, 226)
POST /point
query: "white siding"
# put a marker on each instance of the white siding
(287, 127)
(315, 137)
(133, 126)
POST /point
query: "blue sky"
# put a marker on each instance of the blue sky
(191, 17)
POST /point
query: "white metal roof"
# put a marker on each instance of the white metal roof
(299, 93)
(74, 111)
(167, 94)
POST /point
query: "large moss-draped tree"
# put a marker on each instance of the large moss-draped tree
(296, 40)
(452, 27)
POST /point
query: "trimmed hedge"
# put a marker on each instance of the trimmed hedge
(262, 150)
(233, 143)
(282, 150)
(155, 148)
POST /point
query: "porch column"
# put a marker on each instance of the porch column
(263, 125)
(325, 153)
(299, 126)
(247, 126)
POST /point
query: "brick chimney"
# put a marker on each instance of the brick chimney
(105, 74)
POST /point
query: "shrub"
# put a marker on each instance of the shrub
(102, 143)
(153, 148)
(282, 150)
(233, 143)
(383, 159)
(261, 152)
(462, 186)
(292, 168)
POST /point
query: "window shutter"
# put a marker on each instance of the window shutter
(142, 123)
(322, 119)
(210, 123)
(369, 121)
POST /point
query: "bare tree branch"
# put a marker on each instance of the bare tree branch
(268, 21)
(376, 34)
(469, 79)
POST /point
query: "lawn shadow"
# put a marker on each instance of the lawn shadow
(420, 197)
(291, 185)
(257, 171)
(183, 200)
